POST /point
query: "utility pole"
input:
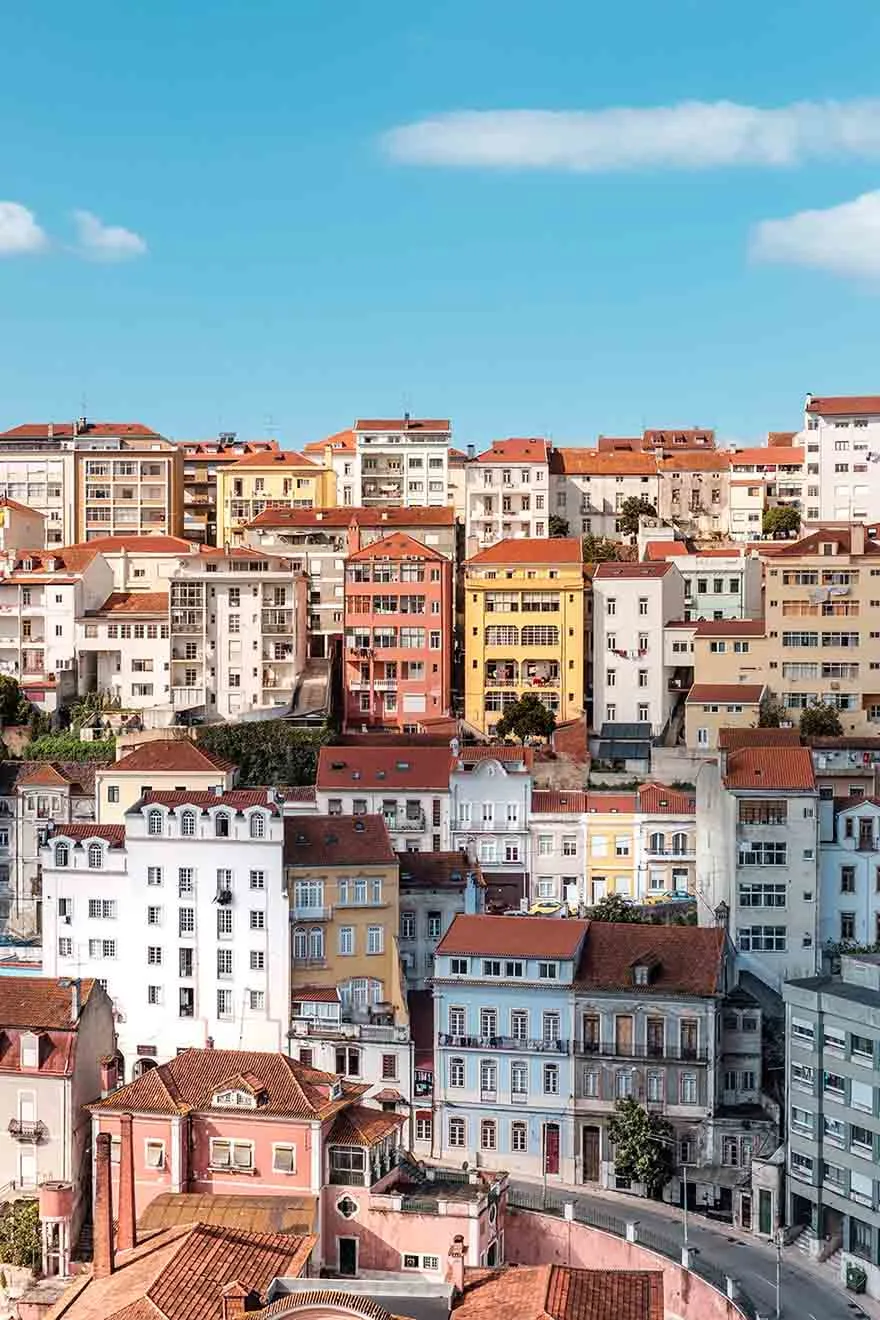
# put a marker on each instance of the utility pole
(778, 1271)
(685, 1225)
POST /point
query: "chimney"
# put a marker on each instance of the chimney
(75, 999)
(455, 1272)
(126, 1233)
(209, 1043)
(50, 432)
(109, 1075)
(102, 1252)
(471, 452)
(857, 539)
(234, 1298)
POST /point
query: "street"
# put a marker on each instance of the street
(806, 1295)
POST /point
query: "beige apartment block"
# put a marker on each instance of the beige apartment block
(711, 707)
(128, 486)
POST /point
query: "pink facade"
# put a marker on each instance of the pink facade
(397, 655)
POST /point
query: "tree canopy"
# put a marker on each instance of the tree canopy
(557, 525)
(643, 1146)
(600, 549)
(613, 908)
(780, 521)
(267, 752)
(820, 720)
(526, 718)
(771, 712)
(631, 511)
(67, 747)
(14, 705)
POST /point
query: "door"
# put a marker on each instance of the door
(623, 1036)
(745, 1211)
(765, 1212)
(551, 1147)
(348, 1256)
(590, 1154)
(27, 1168)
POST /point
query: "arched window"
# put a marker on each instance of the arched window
(96, 856)
(519, 1137)
(457, 1133)
(188, 824)
(519, 1079)
(258, 825)
(679, 844)
(316, 942)
(62, 854)
(488, 1134)
(155, 822)
(657, 843)
(221, 825)
(300, 943)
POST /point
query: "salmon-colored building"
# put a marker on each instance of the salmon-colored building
(397, 663)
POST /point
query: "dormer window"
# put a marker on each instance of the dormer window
(155, 822)
(641, 974)
(188, 824)
(221, 825)
(62, 854)
(27, 565)
(258, 825)
(644, 969)
(234, 1100)
(30, 1049)
(95, 856)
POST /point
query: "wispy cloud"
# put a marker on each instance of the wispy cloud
(19, 231)
(106, 242)
(844, 239)
(692, 135)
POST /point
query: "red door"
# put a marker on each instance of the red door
(551, 1147)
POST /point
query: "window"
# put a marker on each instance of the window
(224, 963)
(346, 940)
(113, 793)
(258, 879)
(551, 1078)
(185, 962)
(547, 971)
(456, 1072)
(102, 908)
(256, 1000)
(375, 939)
(801, 1120)
(154, 955)
(457, 1135)
(154, 916)
(231, 1155)
(154, 1154)
(459, 966)
(488, 1022)
(154, 994)
(348, 1061)
(257, 827)
(688, 1088)
(519, 1137)
(188, 824)
(519, 1081)
(488, 1079)
(95, 856)
(186, 920)
(224, 1003)
(257, 960)
(154, 822)
(221, 825)
(488, 1134)
(154, 875)
(62, 854)
(590, 1082)
(65, 948)
(258, 919)
(623, 1084)
(424, 1129)
(757, 939)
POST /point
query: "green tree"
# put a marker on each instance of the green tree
(67, 747)
(526, 718)
(780, 521)
(14, 705)
(771, 712)
(20, 1234)
(558, 526)
(631, 511)
(613, 908)
(599, 549)
(93, 703)
(267, 752)
(819, 721)
(643, 1146)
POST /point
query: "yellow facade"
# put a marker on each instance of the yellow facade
(612, 835)
(524, 628)
(116, 791)
(285, 480)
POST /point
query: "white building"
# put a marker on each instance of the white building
(666, 842)
(849, 866)
(407, 786)
(720, 581)
(758, 857)
(183, 914)
(590, 486)
(404, 461)
(507, 493)
(490, 798)
(632, 675)
(558, 845)
(842, 439)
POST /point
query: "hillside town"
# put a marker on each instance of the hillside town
(333, 909)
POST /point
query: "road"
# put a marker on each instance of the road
(805, 1294)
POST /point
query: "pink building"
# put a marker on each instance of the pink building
(399, 604)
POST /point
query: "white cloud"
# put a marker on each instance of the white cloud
(106, 242)
(844, 239)
(19, 231)
(691, 135)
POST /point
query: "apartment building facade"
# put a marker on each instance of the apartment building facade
(401, 462)
(842, 438)
(183, 912)
(157, 765)
(711, 707)
(398, 616)
(632, 681)
(590, 486)
(612, 835)
(758, 857)
(434, 888)
(507, 490)
(201, 461)
(490, 799)
(408, 786)
(558, 846)
(666, 841)
(768, 477)
(849, 872)
(524, 628)
(282, 479)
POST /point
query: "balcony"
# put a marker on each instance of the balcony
(309, 960)
(488, 1097)
(310, 912)
(522, 1045)
(519, 1097)
(684, 855)
(25, 1130)
(406, 824)
(620, 1050)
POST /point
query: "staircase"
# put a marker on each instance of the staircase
(85, 1242)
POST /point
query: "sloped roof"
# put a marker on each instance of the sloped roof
(80, 775)
(398, 545)
(696, 460)
(112, 834)
(615, 569)
(337, 841)
(612, 803)
(7, 503)
(768, 456)
(602, 462)
(239, 799)
(730, 628)
(506, 753)
(747, 693)
(171, 756)
(843, 405)
(557, 800)
(340, 441)
(517, 449)
(65, 431)
(560, 1292)
(402, 424)
(436, 870)
(40, 1002)
(660, 550)
(655, 799)
(684, 959)
(780, 768)
(251, 1214)
(279, 458)
(355, 515)
(532, 550)
(351, 768)
(359, 1126)
(731, 739)
(188, 1081)
(812, 544)
(44, 774)
(525, 937)
(134, 602)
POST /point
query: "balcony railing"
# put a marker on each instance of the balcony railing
(684, 855)
(306, 912)
(518, 1043)
(403, 823)
(26, 1130)
(619, 1050)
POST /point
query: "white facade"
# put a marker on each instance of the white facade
(631, 676)
(589, 488)
(489, 804)
(40, 474)
(401, 462)
(183, 914)
(417, 819)
(507, 493)
(379, 1056)
(842, 440)
(849, 907)
(558, 847)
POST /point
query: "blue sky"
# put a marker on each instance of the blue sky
(213, 219)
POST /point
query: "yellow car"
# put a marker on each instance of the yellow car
(546, 907)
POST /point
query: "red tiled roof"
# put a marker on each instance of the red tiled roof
(595, 462)
(558, 800)
(167, 755)
(337, 841)
(506, 753)
(297, 792)
(45, 773)
(359, 1126)
(40, 1003)
(398, 545)
(532, 550)
(315, 994)
(64, 431)
(134, 602)
(844, 405)
(781, 768)
(341, 440)
(731, 739)
(614, 569)
(696, 460)
(657, 798)
(749, 693)
(659, 550)
(517, 449)
(357, 516)
(144, 545)
(189, 1081)
(388, 1095)
(669, 436)
(71, 558)
(623, 803)
(402, 424)
(685, 960)
(238, 798)
(783, 438)
(7, 503)
(730, 628)
(112, 834)
(560, 1292)
(768, 455)
(283, 458)
(384, 767)
(532, 937)
(436, 870)
(811, 545)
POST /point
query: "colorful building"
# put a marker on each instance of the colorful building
(398, 635)
(283, 480)
(612, 834)
(524, 628)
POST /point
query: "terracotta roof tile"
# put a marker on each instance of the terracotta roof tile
(283, 458)
(354, 516)
(506, 753)
(436, 870)
(655, 799)
(341, 441)
(79, 775)
(659, 550)
(337, 841)
(612, 803)
(778, 768)
(811, 545)
(188, 1081)
(844, 405)
(39, 1002)
(134, 602)
(558, 800)
(315, 994)
(533, 937)
(732, 739)
(171, 755)
(112, 834)
(44, 773)
(532, 550)
(768, 456)
(684, 959)
(560, 1292)
(253, 1214)
(598, 463)
(360, 1126)
(144, 545)
(7, 503)
(398, 545)
(730, 628)
(746, 693)
(613, 569)
(516, 450)
(384, 767)
(695, 460)
(402, 424)
(65, 431)
(239, 799)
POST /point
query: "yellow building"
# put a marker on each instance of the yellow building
(524, 628)
(342, 878)
(612, 845)
(282, 480)
(158, 766)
